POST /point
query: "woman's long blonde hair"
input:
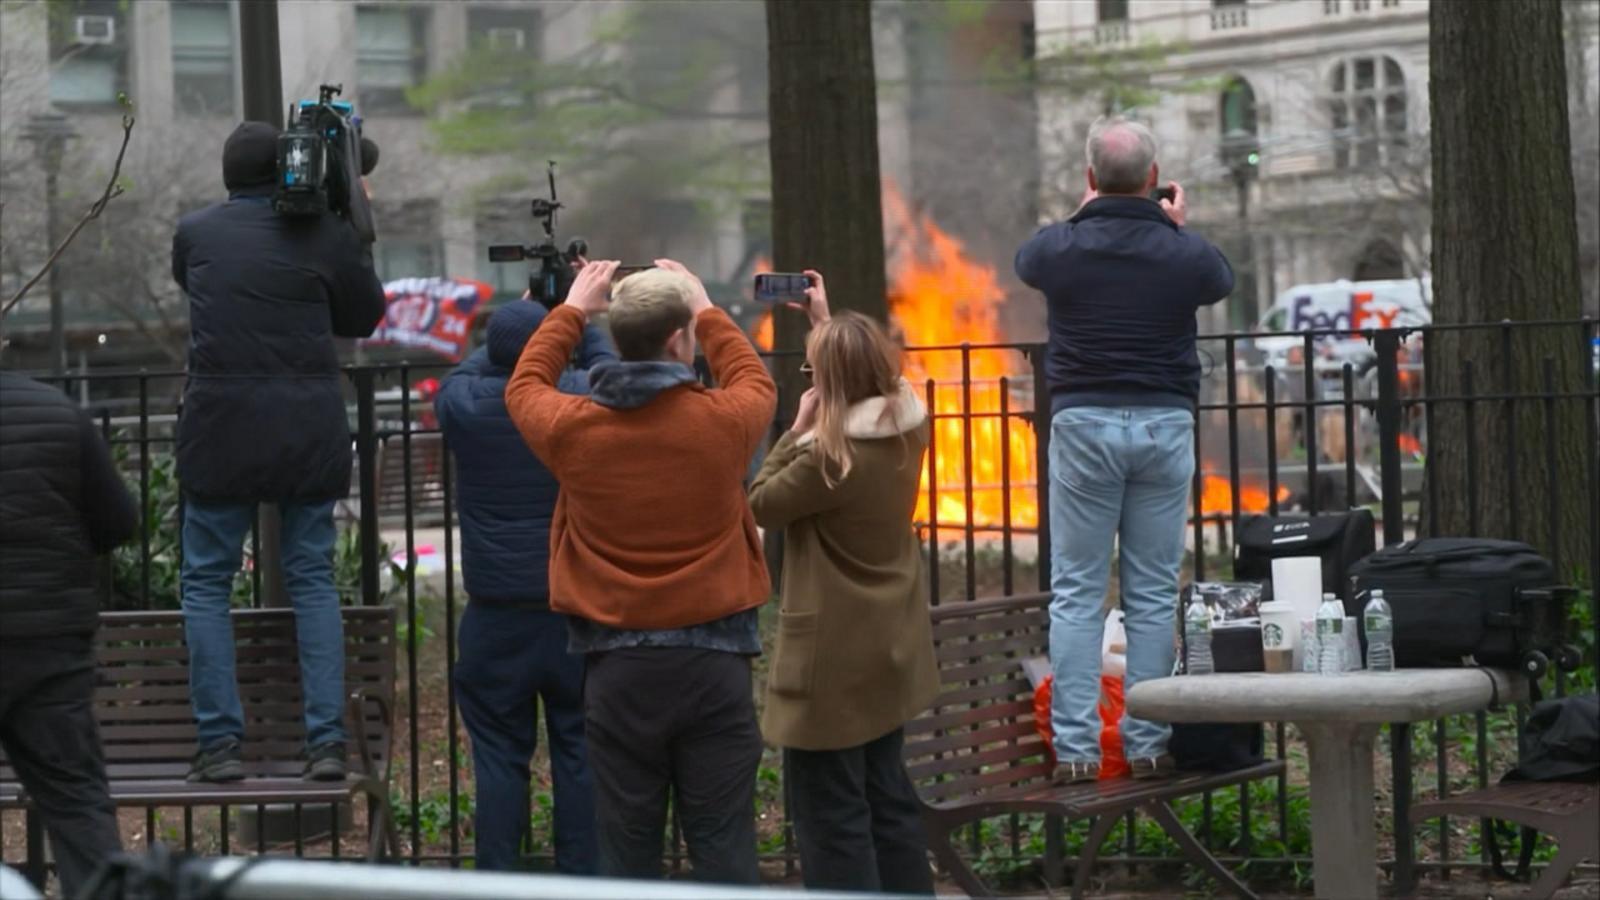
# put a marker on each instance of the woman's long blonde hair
(852, 360)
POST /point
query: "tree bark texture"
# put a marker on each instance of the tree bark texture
(1505, 248)
(827, 208)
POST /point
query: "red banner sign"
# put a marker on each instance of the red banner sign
(434, 314)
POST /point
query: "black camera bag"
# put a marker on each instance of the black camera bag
(1338, 539)
(1495, 601)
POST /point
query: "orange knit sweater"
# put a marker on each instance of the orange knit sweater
(651, 529)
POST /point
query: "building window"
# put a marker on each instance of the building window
(1238, 108)
(407, 257)
(1112, 10)
(1367, 111)
(202, 57)
(391, 56)
(88, 52)
(504, 33)
(505, 30)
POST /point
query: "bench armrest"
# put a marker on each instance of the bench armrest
(356, 712)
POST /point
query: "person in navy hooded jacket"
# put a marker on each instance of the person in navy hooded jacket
(513, 649)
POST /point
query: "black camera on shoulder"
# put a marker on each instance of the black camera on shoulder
(552, 277)
(320, 162)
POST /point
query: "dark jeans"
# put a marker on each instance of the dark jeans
(510, 659)
(47, 728)
(857, 820)
(678, 719)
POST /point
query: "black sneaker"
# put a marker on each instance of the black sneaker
(218, 763)
(1152, 767)
(326, 762)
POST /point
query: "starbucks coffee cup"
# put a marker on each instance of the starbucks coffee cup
(1280, 625)
(1280, 628)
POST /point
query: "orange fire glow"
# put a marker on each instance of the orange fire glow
(941, 297)
(1216, 496)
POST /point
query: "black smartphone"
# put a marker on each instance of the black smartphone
(624, 271)
(781, 287)
(1164, 193)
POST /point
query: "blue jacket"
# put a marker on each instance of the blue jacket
(504, 495)
(1122, 284)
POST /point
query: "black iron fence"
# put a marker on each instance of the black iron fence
(1307, 422)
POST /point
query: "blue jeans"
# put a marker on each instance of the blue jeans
(1123, 473)
(509, 659)
(213, 542)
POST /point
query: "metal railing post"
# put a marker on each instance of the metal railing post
(367, 463)
(1387, 345)
(1041, 443)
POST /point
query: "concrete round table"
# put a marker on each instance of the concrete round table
(1339, 716)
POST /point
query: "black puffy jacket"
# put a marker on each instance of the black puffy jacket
(61, 503)
(263, 410)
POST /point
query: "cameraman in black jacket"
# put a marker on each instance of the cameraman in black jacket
(264, 421)
(61, 503)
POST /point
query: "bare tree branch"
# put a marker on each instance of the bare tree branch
(112, 191)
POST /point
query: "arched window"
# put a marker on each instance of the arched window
(1238, 108)
(1236, 119)
(1379, 261)
(1367, 111)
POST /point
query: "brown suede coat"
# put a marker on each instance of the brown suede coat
(854, 656)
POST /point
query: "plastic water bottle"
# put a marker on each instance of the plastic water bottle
(1330, 636)
(1197, 638)
(1378, 620)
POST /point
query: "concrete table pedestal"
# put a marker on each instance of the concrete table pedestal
(1339, 716)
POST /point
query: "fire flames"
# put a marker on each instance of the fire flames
(941, 297)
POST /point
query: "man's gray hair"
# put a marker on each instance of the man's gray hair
(1121, 153)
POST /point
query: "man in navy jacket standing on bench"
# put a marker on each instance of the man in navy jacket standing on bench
(1122, 280)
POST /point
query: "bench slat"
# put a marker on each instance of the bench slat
(975, 762)
(1009, 647)
(978, 715)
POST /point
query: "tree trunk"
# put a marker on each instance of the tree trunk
(1505, 247)
(827, 209)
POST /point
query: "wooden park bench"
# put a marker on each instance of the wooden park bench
(1566, 810)
(977, 755)
(147, 726)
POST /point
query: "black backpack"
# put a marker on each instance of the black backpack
(1560, 741)
(1497, 602)
(1338, 539)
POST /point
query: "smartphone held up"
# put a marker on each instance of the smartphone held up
(775, 288)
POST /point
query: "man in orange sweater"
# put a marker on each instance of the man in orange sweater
(654, 554)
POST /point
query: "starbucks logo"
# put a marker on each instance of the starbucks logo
(1272, 636)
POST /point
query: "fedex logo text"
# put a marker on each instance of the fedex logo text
(1361, 314)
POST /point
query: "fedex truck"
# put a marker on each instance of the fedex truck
(1341, 306)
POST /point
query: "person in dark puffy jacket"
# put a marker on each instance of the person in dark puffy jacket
(61, 504)
(513, 648)
(264, 421)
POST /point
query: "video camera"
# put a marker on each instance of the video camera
(320, 162)
(550, 282)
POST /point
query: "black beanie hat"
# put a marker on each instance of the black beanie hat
(250, 156)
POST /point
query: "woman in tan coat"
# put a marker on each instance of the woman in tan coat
(854, 658)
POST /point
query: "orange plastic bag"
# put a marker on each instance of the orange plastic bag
(1112, 763)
